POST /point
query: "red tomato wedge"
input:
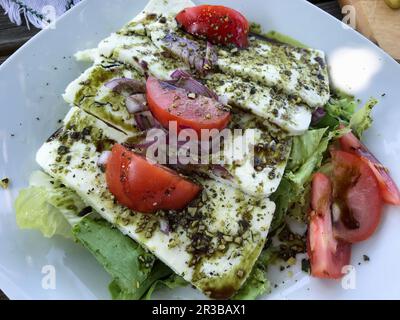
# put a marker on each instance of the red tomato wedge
(358, 204)
(145, 187)
(169, 103)
(115, 176)
(327, 255)
(219, 24)
(390, 191)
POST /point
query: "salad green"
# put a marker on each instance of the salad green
(133, 269)
(172, 282)
(53, 209)
(310, 151)
(48, 206)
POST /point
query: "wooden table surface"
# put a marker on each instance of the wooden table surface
(12, 37)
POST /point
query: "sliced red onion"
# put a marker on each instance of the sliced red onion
(144, 65)
(211, 56)
(151, 138)
(221, 172)
(144, 145)
(102, 161)
(178, 73)
(184, 80)
(125, 84)
(136, 103)
(145, 121)
(192, 53)
(164, 226)
(317, 115)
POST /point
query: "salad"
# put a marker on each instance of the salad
(193, 142)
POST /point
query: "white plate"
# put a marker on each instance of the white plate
(31, 83)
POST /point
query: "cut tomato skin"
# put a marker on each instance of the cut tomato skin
(168, 103)
(390, 191)
(358, 203)
(115, 176)
(327, 255)
(146, 187)
(219, 24)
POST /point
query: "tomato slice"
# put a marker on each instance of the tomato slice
(169, 103)
(358, 204)
(390, 191)
(115, 175)
(327, 255)
(219, 24)
(145, 187)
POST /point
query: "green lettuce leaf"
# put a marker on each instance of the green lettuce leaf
(255, 286)
(172, 282)
(311, 160)
(119, 292)
(133, 269)
(308, 152)
(47, 206)
(339, 109)
(304, 147)
(283, 197)
(268, 256)
(306, 156)
(33, 211)
(362, 120)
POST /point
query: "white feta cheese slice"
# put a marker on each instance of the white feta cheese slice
(266, 103)
(301, 72)
(297, 71)
(139, 52)
(90, 93)
(213, 244)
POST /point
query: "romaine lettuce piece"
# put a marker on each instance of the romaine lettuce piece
(307, 154)
(255, 286)
(47, 206)
(52, 208)
(304, 147)
(338, 110)
(133, 269)
(33, 211)
(362, 120)
(172, 282)
(341, 109)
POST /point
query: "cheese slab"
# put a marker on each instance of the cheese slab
(264, 102)
(301, 72)
(254, 161)
(296, 71)
(213, 244)
(257, 176)
(269, 104)
(90, 93)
